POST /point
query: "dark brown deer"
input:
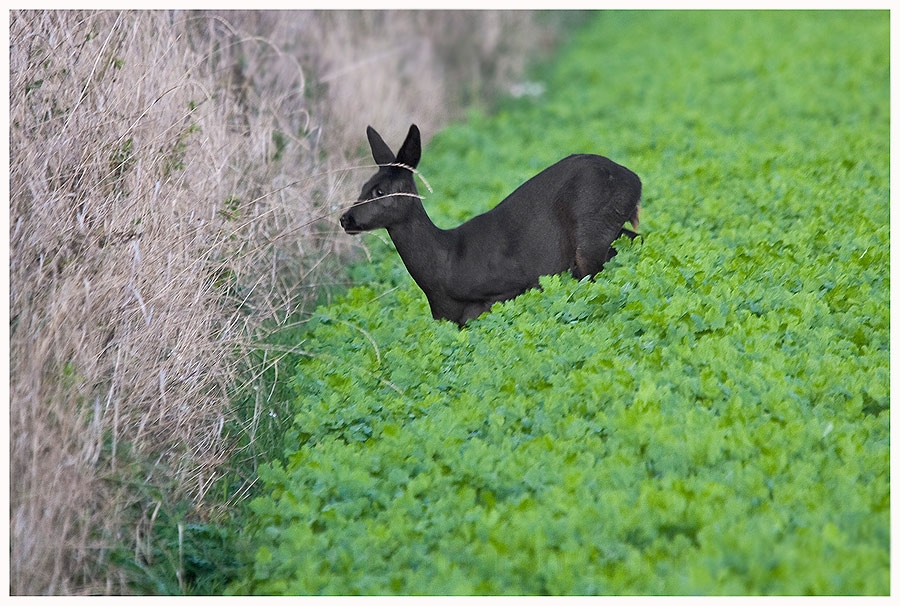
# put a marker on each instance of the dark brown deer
(564, 218)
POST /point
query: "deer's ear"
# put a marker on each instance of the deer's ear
(380, 151)
(411, 150)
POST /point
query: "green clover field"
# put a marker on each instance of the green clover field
(710, 415)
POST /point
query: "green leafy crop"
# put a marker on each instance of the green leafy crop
(709, 416)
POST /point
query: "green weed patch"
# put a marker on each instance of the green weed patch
(710, 416)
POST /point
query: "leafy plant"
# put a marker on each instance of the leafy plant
(709, 416)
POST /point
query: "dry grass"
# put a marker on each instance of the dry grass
(174, 184)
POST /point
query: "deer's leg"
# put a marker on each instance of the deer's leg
(594, 246)
(595, 234)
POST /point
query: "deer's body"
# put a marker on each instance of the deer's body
(564, 218)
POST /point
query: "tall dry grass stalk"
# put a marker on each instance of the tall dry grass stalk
(174, 181)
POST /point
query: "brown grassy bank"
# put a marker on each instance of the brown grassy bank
(175, 179)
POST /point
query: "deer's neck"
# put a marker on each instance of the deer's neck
(424, 248)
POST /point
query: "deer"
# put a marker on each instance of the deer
(565, 218)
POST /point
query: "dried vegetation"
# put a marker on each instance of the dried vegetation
(174, 184)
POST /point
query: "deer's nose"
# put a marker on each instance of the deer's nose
(349, 223)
